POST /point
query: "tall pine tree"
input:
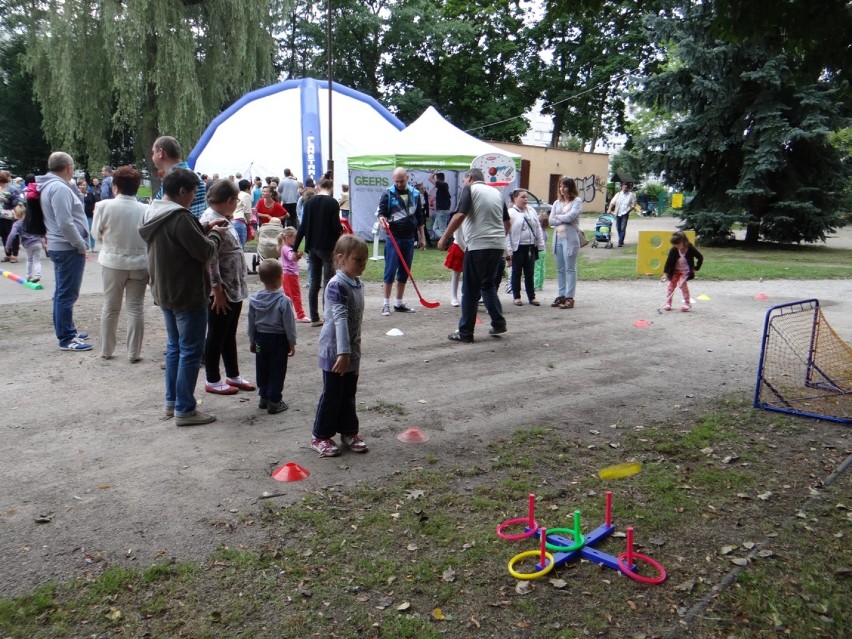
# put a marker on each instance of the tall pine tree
(751, 136)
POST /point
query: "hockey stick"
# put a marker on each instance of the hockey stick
(405, 266)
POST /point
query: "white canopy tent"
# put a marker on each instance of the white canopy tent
(428, 145)
(286, 126)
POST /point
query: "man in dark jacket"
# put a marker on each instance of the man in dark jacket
(320, 228)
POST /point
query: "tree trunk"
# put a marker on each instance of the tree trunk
(752, 233)
(558, 120)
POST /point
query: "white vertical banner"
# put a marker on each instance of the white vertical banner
(365, 191)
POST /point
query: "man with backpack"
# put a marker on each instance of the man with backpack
(67, 241)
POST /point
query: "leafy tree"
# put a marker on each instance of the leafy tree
(465, 58)
(23, 148)
(593, 55)
(752, 139)
(154, 67)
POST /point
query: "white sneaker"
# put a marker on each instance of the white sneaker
(386, 310)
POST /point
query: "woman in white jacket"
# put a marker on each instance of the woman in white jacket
(124, 262)
(524, 241)
(565, 221)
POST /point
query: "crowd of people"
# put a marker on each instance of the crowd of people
(187, 245)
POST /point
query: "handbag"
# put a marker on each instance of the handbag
(582, 237)
(535, 250)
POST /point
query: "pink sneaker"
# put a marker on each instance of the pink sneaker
(685, 308)
(667, 307)
(354, 443)
(304, 320)
(325, 447)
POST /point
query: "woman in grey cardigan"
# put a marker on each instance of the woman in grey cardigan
(565, 221)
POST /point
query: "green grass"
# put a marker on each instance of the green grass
(734, 262)
(770, 262)
(379, 559)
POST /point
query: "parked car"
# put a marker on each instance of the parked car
(537, 203)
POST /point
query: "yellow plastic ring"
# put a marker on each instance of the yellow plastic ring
(530, 575)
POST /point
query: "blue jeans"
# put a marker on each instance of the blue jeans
(478, 279)
(621, 227)
(185, 331)
(91, 237)
(392, 264)
(566, 268)
(242, 231)
(68, 267)
(440, 223)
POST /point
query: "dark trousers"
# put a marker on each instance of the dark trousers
(478, 280)
(222, 342)
(273, 351)
(293, 220)
(336, 409)
(523, 261)
(322, 270)
(5, 232)
(621, 227)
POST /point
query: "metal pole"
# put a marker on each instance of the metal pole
(330, 164)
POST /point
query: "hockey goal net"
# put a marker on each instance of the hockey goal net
(805, 367)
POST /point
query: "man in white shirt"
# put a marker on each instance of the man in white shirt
(621, 205)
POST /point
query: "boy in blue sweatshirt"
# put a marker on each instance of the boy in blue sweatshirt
(272, 333)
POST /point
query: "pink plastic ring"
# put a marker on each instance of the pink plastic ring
(653, 581)
(513, 522)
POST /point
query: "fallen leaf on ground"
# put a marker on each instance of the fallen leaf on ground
(686, 586)
(739, 561)
(438, 614)
(403, 606)
(727, 550)
(449, 575)
(523, 588)
(558, 583)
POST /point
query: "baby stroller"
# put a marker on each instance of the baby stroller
(603, 231)
(267, 242)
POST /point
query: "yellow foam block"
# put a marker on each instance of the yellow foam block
(652, 251)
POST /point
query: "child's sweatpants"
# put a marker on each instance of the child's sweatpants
(679, 279)
(290, 284)
(538, 276)
(273, 349)
(33, 260)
